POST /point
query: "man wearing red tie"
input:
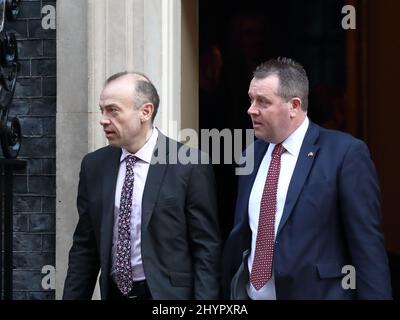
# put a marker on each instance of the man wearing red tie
(310, 207)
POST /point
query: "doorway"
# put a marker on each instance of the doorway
(236, 36)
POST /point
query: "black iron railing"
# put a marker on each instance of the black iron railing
(10, 140)
(10, 129)
(7, 169)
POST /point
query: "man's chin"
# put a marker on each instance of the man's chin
(113, 143)
(259, 134)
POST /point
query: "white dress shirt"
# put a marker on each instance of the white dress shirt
(292, 146)
(140, 170)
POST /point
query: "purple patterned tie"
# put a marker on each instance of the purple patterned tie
(261, 270)
(123, 256)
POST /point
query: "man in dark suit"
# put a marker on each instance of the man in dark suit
(307, 219)
(147, 222)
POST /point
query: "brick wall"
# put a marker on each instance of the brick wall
(35, 105)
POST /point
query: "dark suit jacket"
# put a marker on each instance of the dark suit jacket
(331, 219)
(180, 238)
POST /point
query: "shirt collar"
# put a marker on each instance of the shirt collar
(293, 143)
(145, 153)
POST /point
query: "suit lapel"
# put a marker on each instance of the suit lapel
(303, 166)
(154, 179)
(111, 169)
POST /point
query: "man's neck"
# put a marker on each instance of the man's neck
(140, 141)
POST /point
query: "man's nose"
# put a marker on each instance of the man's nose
(104, 120)
(252, 110)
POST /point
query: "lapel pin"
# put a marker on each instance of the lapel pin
(310, 154)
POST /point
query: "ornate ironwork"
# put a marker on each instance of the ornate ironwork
(10, 129)
(12, 9)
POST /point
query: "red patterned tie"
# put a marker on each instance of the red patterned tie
(261, 270)
(123, 257)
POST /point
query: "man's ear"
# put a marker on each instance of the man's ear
(295, 106)
(147, 112)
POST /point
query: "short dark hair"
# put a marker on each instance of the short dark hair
(144, 90)
(293, 80)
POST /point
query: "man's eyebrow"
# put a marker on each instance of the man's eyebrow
(258, 96)
(108, 106)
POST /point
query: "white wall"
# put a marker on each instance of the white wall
(96, 38)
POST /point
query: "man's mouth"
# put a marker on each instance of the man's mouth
(109, 133)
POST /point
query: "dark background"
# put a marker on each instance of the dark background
(236, 36)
